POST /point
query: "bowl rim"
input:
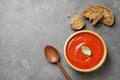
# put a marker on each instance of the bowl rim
(101, 61)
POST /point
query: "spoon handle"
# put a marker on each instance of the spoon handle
(63, 70)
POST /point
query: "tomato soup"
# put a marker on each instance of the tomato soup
(74, 51)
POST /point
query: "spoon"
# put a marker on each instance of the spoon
(53, 56)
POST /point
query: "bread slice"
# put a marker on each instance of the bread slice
(77, 22)
(105, 14)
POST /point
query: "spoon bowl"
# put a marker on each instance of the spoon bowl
(51, 54)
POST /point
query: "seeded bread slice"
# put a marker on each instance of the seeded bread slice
(77, 22)
(106, 13)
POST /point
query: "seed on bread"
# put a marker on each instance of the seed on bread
(77, 22)
(106, 14)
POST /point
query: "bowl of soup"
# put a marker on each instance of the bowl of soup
(85, 51)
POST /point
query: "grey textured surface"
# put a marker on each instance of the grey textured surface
(26, 26)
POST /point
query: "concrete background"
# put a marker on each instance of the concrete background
(26, 26)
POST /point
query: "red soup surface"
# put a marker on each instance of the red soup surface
(75, 54)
